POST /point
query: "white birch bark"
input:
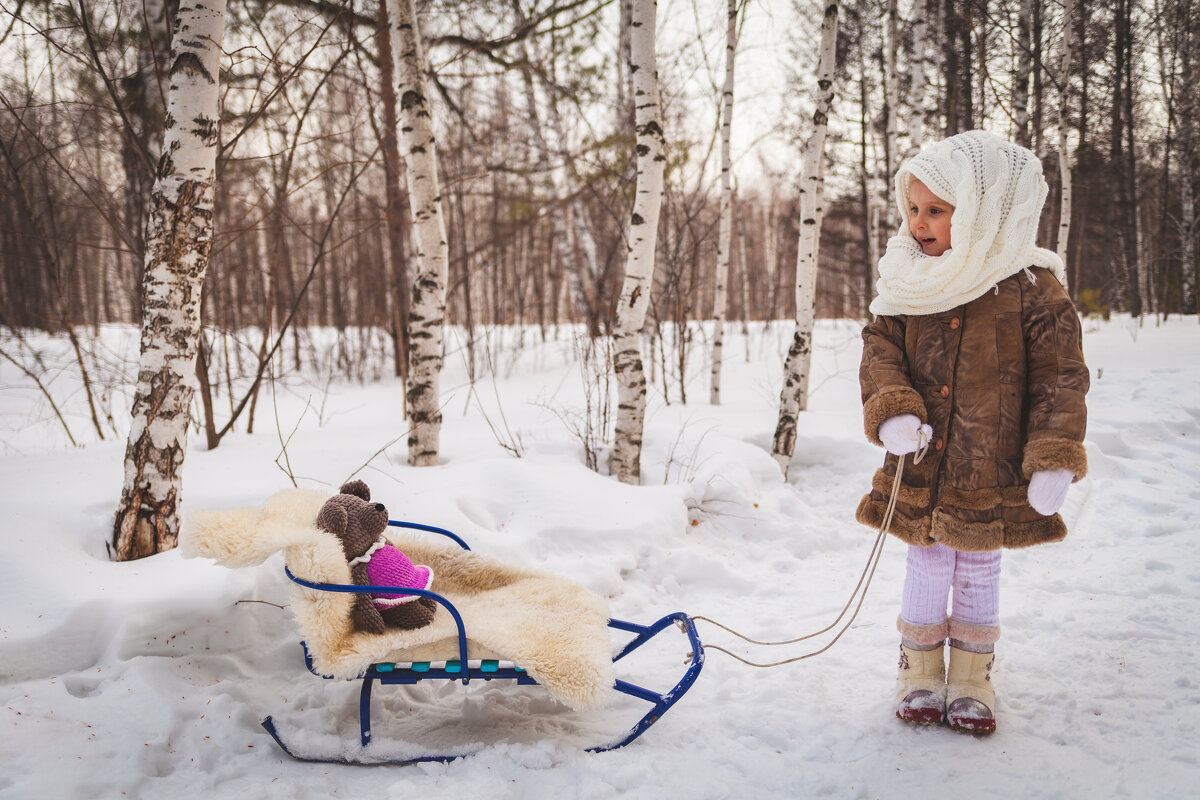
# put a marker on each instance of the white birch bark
(724, 241)
(643, 236)
(891, 113)
(1187, 226)
(1189, 167)
(1065, 159)
(625, 89)
(916, 113)
(1189, 160)
(1024, 45)
(427, 313)
(1145, 284)
(179, 237)
(792, 399)
(771, 255)
(745, 274)
(893, 89)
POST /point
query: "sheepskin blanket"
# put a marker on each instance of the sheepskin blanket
(553, 628)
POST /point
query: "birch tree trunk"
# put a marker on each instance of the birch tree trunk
(146, 98)
(626, 116)
(1065, 160)
(1189, 163)
(793, 399)
(396, 213)
(427, 313)
(891, 114)
(179, 237)
(1024, 45)
(745, 274)
(643, 236)
(1189, 156)
(916, 113)
(1187, 227)
(867, 163)
(724, 239)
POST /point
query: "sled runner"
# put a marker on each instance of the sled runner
(493, 622)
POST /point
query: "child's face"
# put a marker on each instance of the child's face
(929, 219)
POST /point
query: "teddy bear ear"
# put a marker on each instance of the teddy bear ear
(333, 518)
(356, 488)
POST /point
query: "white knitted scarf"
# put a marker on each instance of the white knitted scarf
(997, 191)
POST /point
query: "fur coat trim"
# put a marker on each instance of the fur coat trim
(889, 403)
(971, 499)
(912, 495)
(1055, 454)
(929, 529)
(552, 627)
(906, 529)
(983, 499)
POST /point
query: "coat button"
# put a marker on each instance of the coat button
(945, 391)
(939, 444)
(954, 323)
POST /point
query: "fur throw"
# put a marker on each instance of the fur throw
(552, 627)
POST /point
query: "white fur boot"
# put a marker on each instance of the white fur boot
(970, 695)
(921, 685)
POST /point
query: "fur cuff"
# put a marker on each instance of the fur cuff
(1055, 454)
(923, 634)
(889, 403)
(973, 634)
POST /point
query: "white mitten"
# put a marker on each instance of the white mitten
(1048, 490)
(899, 434)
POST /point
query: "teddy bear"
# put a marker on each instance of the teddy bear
(359, 525)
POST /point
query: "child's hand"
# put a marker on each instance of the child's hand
(1048, 490)
(901, 434)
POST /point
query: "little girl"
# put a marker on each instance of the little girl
(976, 349)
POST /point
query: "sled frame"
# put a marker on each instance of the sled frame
(465, 670)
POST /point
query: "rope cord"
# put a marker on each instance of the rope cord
(864, 580)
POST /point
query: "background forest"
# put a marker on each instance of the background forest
(532, 104)
(531, 109)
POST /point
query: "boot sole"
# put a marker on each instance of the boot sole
(978, 726)
(921, 716)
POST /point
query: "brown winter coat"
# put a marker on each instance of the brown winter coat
(1002, 381)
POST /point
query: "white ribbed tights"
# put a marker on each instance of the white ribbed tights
(934, 571)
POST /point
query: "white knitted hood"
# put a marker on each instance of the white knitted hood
(997, 191)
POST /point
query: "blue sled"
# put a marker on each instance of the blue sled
(466, 670)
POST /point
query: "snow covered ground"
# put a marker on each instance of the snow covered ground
(149, 679)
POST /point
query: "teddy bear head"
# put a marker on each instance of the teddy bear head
(353, 518)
